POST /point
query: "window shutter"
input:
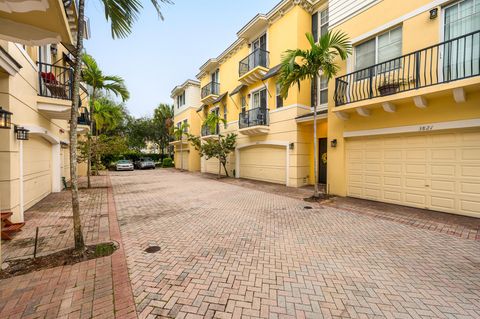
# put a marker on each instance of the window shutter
(315, 26)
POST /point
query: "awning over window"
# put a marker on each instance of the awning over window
(23, 5)
(220, 98)
(200, 109)
(26, 34)
(272, 72)
(238, 89)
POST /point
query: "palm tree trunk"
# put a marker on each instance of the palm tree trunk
(77, 223)
(315, 144)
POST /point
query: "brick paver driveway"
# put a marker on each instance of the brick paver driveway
(228, 251)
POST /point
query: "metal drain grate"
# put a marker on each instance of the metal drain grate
(308, 207)
(152, 249)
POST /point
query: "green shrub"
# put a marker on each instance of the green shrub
(167, 162)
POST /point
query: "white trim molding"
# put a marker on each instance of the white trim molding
(42, 132)
(266, 143)
(427, 127)
(284, 108)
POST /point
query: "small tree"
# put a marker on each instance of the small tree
(299, 65)
(213, 123)
(216, 148)
(179, 132)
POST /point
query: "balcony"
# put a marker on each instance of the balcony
(449, 65)
(252, 68)
(55, 90)
(210, 93)
(84, 117)
(207, 133)
(254, 121)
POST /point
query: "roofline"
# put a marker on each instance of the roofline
(184, 85)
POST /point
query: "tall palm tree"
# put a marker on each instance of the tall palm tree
(163, 120)
(212, 121)
(122, 14)
(97, 81)
(179, 132)
(107, 115)
(321, 59)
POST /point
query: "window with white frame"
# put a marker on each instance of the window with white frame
(384, 47)
(186, 125)
(323, 25)
(279, 99)
(323, 90)
(181, 100)
(259, 99)
(244, 104)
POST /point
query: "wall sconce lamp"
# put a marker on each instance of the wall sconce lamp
(291, 146)
(21, 132)
(54, 48)
(433, 13)
(5, 119)
(333, 143)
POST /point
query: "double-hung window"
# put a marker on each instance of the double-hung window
(181, 100)
(279, 98)
(319, 86)
(384, 49)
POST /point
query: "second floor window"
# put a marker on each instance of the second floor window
(384, 47)
(186, 125)
(279, 98)
(259, 99)
(181, 100)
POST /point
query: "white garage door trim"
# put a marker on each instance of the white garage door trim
(415, 128)
(269, 143)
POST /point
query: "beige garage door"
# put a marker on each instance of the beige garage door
(437, 171)
(178, 159)
(37, 170)
(211, 166)
(265, 163)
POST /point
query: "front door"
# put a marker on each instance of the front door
(322, 162)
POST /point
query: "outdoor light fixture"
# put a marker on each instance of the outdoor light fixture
(5, 119)
(22, 133)
(54, 48)
(433, 13)
(291, 146)
(333, 143)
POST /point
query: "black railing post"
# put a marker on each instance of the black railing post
(370, 71)
(417, 69)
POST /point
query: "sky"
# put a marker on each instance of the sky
(159, 55)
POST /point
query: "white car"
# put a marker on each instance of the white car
(124, 165)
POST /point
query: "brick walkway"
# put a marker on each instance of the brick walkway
(228, 251)
(93, 289)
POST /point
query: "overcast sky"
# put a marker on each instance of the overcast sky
(161, 54)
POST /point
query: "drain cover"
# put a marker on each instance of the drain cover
(152, 249)
(308, 207)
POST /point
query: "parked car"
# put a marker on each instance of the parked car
(144, 163)
(124, 165)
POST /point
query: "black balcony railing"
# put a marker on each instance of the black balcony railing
(55, 81)
(452, 60)
(253, 117)
(206, 130)
(84, 116)
(212, 88)
(258, 57)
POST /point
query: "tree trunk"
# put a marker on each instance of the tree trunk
(315, 144)
(77, 223)
(225, 168)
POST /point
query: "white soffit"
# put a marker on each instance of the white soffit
(26, 34)
(22, 6)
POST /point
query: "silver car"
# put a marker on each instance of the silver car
(124, 165)
(145, 163)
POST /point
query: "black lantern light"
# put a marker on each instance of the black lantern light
(433, 13)
(5, 119)
(22, 133)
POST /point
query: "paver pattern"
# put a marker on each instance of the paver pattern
(231, 252)
(97, 288)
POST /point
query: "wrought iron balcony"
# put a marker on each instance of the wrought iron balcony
(212, 88)
(452, 60)
(55, 81)
(258, 58)
(253, 121)
(206, 130)
(84, 117)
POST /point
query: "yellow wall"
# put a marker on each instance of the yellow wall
(419, 32)
(193, 157)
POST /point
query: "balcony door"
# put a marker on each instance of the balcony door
(461, 56)
(259, 49)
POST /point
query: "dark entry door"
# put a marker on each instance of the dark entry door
(322, 161)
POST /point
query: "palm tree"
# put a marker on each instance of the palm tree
(299, 65)
(163, 120)
(93, 76)
(122, 14)
(179, 132)
(212, 121)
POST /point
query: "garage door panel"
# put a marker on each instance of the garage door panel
(438, 171)
(265, 163)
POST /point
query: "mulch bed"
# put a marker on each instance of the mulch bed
(66, 257)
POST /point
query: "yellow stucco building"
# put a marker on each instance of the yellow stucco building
(400, 122)
(36, 73)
